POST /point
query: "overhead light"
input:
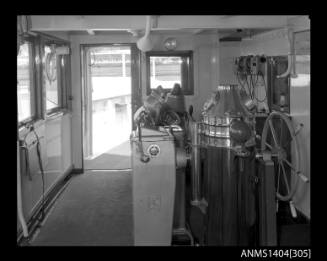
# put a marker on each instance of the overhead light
(170, 43)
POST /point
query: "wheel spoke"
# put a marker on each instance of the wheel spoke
(287, 143)
(278, 176)
(290, 165)
(268, 145)
(273, 132)
(281, 130)
(285, 178)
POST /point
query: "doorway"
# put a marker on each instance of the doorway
(109, 77)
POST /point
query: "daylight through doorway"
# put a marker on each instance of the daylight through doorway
(108, 119)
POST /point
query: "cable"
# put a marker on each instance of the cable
(241, 84)
(252, 86)
(237, 72)
(38, 151)
(263, 78)
(26, 154)
(249, 87)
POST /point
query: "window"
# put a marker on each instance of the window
(42, 87)
(168, 68)
(64, 61)
(110, 62)
(50, 74)
(302, 60)
(25, 82)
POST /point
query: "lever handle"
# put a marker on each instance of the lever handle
(277, 205)
(293, 210)
(304, 178)
(298, 129)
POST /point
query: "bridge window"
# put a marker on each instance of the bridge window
(51, 78)
(25, 82)
(43, 78)
(168, 68)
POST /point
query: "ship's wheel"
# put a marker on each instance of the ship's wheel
(278, 141)
(170, 117)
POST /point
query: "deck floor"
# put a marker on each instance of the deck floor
(95, 209)
(118, 157)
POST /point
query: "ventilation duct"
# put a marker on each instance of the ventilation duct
(145, 44)
(291, 56)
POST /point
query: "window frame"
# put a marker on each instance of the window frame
(33, 81)
(63, 82)
(37, 42)
(58, 71)
(187, 70)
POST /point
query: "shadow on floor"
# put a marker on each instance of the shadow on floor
(118, 157)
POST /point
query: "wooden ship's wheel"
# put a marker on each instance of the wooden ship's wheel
(170, 118)
(278, 143)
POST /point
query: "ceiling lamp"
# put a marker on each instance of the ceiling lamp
(170, 44)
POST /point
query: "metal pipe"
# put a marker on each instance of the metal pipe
(289, 66)
(19, 196)
(196, 164)
(291, 57)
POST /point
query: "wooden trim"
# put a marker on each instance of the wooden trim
(77, 171)
(52, 38)
(55, 114)
(105, 44)
(136, 101)
(169, 53)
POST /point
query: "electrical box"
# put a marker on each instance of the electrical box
(278, 88)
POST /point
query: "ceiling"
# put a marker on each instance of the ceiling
(229, 27)
(224, 34)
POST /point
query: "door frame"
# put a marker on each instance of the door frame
(136, 90)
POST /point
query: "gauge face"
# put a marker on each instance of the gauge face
(153, 150)
(240, 131)
(51, 67)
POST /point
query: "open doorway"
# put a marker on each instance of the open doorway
(107, 106)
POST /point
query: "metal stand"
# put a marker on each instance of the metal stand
(267, 195)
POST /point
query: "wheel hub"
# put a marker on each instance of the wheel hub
(281, 154)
